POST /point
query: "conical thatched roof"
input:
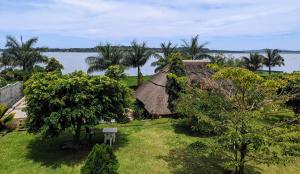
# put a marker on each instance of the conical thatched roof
(153, 94)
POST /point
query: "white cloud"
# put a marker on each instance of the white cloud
(118, 19)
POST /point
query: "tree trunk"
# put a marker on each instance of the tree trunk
(76, 136)
(269, 69)
(242, 160)
(139, 77)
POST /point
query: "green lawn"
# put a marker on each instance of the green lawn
(131, 81)
(143, 147)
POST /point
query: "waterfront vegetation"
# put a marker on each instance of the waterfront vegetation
(237, 120)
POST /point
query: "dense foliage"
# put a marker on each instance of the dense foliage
(2, 82)
(58, 102)
(115, 72)
(247, 137)
(4, 119)
(101, 160)
(176, 79)
(53, 65)
(292, 87)
(204, 110)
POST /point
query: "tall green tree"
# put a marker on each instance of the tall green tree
(254, 62)
(273, 58)
(24, 54)
(195, 50)
(57, 102)
(167, 50)
(248, 137)
(137, 56)
(107, 55)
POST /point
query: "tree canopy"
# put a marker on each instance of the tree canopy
(58, 102)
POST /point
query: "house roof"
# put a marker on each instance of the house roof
(153, 94)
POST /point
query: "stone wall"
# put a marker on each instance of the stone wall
(11, 93)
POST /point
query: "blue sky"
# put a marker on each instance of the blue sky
(225, 24)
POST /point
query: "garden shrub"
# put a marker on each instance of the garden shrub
(101, 160)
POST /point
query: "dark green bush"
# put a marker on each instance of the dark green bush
(101, 160)
(2, 82)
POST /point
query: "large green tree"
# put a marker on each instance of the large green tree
(254, 62)
(137, 56)
(24, 54)
(107, 55)
(273, 58)
(57, 102)
(195, 50)
(248, 137)
(167, 50)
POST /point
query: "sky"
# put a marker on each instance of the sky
(224, 24)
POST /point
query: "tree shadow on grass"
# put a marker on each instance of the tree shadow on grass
(191, 160)
(48, 151)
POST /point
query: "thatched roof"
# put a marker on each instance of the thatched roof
(153, 94)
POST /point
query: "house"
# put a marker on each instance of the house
(153, 94)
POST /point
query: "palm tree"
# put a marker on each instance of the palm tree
(273, 59)
(254, 62)
(193, 49)
(107, 55)
(167, 49)
(23, 53)
(137, 56)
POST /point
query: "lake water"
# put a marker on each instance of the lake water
(76, 61)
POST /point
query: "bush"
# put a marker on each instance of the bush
(2, 82)
(115, 72)
(101, 160)
(139, 112)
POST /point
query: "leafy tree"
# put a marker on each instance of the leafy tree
(247, 136)
(107, 55)
(4, 119)
(203, 110)
(194, 50)
(167, 49)
(54, 65)
(273, 59)
(23, 53)
(292, 87)
(57, 102)
(115, 72)
(101, 160)
(137, 57)
(176, 79)
(254, 62)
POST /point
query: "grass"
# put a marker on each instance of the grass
(160, 146)
(131, 81)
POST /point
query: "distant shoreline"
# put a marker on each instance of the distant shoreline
(93, 50)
